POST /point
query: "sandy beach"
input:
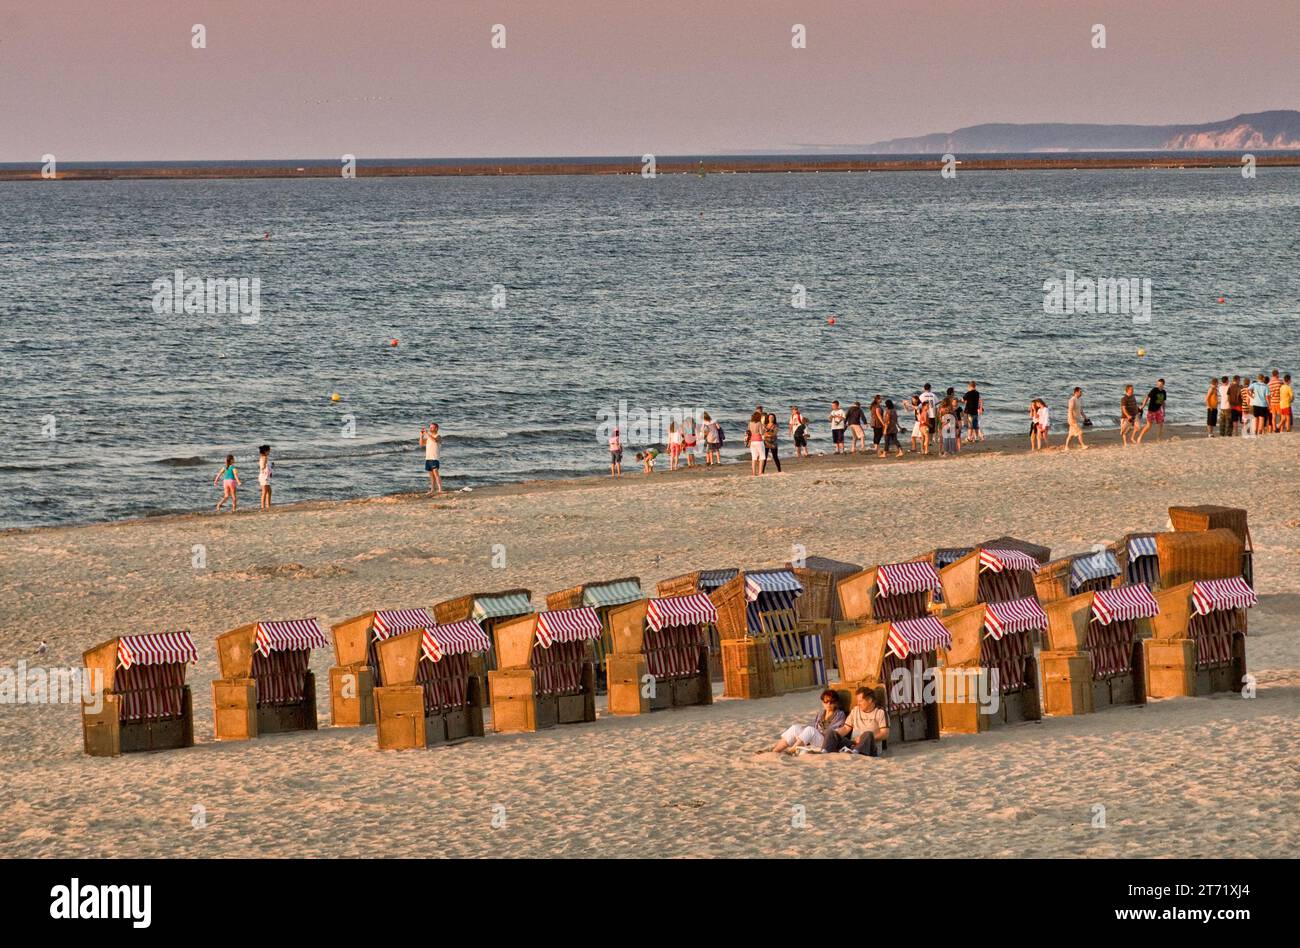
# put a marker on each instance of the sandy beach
(1212, 776)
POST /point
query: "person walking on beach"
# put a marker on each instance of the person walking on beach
(837, 427)
(1074, 418)
(1211, 407)
(674, 445)
(265, 470)
(712, 440)
(877, 412)
(798, 432)
(228, 480)
(921, 425)
(1154, 404)
(1286, 397)
(690, 438)
(770, 452)
(891, 430)
(754, 438)
(615, 454)
(431, 441)
(974, 408)
(854, 419)
(1130, 415)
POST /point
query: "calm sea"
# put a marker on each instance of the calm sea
(667, 293)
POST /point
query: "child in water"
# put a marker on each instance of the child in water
(228, 480)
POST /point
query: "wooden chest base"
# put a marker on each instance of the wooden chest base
(352, 697)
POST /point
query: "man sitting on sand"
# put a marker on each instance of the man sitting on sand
(864, 731)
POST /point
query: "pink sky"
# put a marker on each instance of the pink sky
(104, 80)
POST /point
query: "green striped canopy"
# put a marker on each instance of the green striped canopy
(492, 607)
(611, 594)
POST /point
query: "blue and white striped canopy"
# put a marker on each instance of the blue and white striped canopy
(713, 578)
(771, 581)
(1099, 565)
(1142, 546)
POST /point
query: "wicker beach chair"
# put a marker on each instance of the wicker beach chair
(266, 685)
(356, 672)
(1198, 643)
(1093, 658)
(429, 693)
(547, 673)
(660, 656)
(146, 704)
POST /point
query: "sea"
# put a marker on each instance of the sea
(527, 312)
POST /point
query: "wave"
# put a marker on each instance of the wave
(181, 462)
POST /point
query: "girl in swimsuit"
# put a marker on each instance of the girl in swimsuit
(228, 480)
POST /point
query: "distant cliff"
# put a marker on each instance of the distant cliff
(1262, 130)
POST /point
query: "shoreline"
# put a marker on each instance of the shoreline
(993, 446)
(721, 165)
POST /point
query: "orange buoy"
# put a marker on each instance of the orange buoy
(831, 321)
(1220, 299)
(392, 342)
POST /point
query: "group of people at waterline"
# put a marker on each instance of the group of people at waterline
(1234, 406)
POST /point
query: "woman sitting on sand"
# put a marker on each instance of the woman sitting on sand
(813, 735)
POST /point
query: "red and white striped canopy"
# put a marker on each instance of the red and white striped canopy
(1211, 595)
(567, 625)
(680, 610)
(1125, 602)
(918, 635)
(389, 622)
(1018, 615)
(900, 578)
(999, 560)
(162, 648)
(289, 635)
(454, 638)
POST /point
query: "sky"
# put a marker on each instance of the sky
(119, 80)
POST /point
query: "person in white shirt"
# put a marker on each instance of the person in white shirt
(837, 427)
(265, 471)
(1044, 421)
(931, 403)
(1225, 408)
(864, 731)
(430, 440)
